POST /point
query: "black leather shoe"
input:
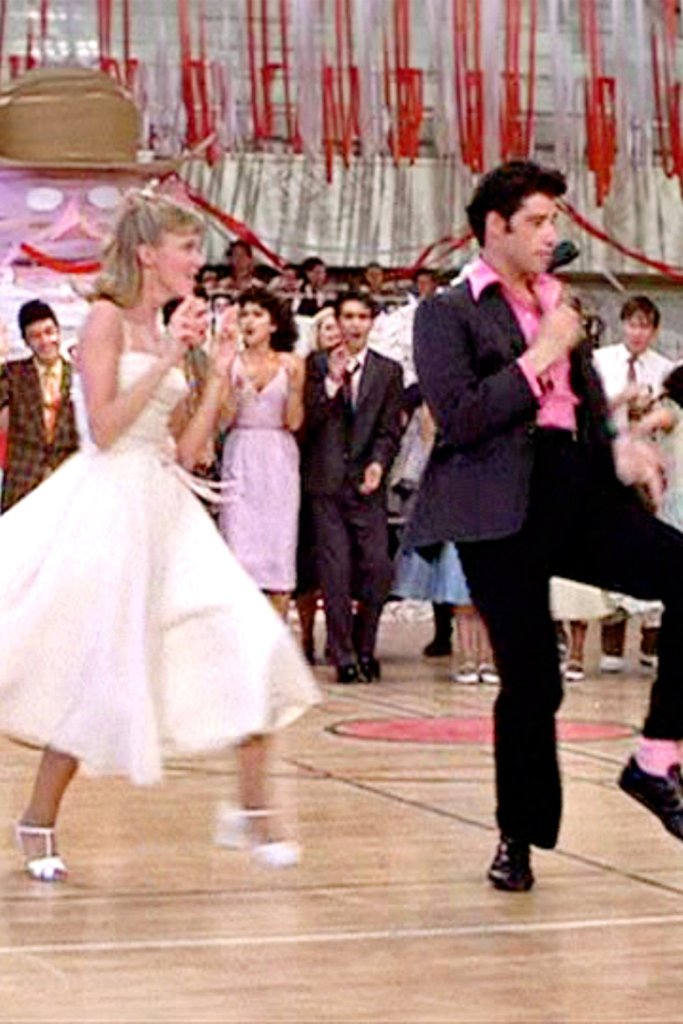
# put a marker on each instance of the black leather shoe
(661, 795)
(347, 674)
(438, 648)
(369, 669)
(510, 869)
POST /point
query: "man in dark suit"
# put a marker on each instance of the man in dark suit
(351, 433)
(37, 395)
(530, 479)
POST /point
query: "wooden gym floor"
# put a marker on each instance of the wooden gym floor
(389, 917)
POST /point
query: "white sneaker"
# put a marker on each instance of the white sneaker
(648, 660)
(467, 673)
(574, 672)
(612, 663)
(488, 674)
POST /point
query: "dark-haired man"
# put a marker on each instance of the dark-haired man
(351, 433)
(528, 477)
(37, 394)
(632, 374)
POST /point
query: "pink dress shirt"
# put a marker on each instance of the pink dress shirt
(556, 400)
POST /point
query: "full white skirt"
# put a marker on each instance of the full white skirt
(127, 628)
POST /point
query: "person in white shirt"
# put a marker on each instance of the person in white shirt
(632, 374)
(631, 371)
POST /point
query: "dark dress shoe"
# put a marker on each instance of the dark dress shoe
(663, 795)
(438, 648)
(369, 669)
(510, 869)
(347, 674)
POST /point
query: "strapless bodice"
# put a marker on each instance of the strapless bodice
(151, 428)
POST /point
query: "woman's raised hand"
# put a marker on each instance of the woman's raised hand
(225, 341)
(187, 326)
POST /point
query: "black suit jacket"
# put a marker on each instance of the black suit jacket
(334, 451)
(476, 485)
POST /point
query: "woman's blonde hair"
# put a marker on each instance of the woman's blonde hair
(320, 318)
(144, 217)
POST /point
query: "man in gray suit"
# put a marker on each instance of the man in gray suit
(530, 480)
(351, 434)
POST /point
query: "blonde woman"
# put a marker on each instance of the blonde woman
(128, 628)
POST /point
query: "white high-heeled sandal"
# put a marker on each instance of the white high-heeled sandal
(233, 830)
(49, 867)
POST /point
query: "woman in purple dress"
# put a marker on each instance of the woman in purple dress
(259, 515)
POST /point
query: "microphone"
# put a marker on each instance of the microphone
(564, 253)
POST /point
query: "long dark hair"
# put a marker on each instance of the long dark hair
(285, 333)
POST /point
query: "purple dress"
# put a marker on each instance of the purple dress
(260, 510)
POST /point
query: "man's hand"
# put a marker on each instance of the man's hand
(639, 463)
(560, 331)
(372, 478)
(337, 358)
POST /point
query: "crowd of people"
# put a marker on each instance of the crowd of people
(518, 453)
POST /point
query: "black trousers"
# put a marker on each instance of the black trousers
(585, 526)
(352, 553)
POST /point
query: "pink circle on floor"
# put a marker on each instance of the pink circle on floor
(466, 729)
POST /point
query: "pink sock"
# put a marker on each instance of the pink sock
(656, 756)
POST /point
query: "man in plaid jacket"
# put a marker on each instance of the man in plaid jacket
(36, 394)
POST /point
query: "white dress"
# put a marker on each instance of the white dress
(127, 628)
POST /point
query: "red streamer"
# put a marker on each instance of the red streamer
(237, 227)
(667, 269)
(667, 93)
(59, 265)
(469, 83)
(449, 244)
(184, 32)
(516, 131)
(600, 102)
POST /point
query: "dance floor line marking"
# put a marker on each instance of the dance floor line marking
(443, 812)
(483, 930)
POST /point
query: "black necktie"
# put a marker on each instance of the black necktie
(632, 408)
(347, 387)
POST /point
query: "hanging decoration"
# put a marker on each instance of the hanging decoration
(340, 89)
(517, 116)
(667, 91)
(666, 269)
(469, 82)
(338, 80)
(403, 86)
(600, 103)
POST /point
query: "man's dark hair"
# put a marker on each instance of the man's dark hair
(33, 311)
(424, 272)
(310, 263)
(673, 385)
(504, 189)
(641, 304)
(238, 243)
(353, 296)
(285, 334)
